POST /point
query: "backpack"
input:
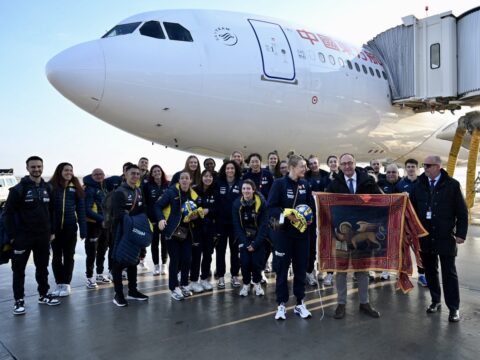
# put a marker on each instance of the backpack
(108, 208)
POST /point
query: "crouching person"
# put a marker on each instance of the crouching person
(249, 216)
(131, 233)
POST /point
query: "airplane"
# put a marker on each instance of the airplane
(210, 82)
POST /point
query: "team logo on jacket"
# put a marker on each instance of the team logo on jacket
(225, 36)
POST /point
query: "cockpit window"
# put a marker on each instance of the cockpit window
(152, 29)
(122, 29)
(177, 32)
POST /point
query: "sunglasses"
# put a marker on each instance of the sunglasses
(427, 166)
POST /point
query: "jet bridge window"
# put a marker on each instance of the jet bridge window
(122, 29)
(177, 32)
(152, 29)
(434, 56)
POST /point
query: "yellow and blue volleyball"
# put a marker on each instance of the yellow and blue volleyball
(305, 211)
(188, 207)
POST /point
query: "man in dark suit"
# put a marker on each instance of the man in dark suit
(351, 180)
(441, 207)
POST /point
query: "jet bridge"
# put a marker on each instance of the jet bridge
(432, 64)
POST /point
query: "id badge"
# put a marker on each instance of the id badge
(429, 215)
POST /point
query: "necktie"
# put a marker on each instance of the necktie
(350, 186)
(432, 185)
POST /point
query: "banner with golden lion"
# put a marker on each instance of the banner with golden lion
(368, 232)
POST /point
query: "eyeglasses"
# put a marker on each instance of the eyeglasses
(427, 166)
(349, 163)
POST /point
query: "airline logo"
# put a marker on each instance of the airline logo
(225, 36)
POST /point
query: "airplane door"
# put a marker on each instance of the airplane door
(277, 57)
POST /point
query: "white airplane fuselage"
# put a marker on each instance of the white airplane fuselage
(246, 83)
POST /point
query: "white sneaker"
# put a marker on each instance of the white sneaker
(164, 269)
(372, 275)
(196, 287)
(186, 291)
(281, 312)
(235, 281)
(302, 311)
(264, 278)
(103, 279)
(385, 275)
(206, 285)
(328, 281)
(311, 280)
(156, 270)
(245, 290)
(258, 290)
(57, 290)
(142, 267)
(91, 283)
(221, 283)
(177, 294)
(66, 290)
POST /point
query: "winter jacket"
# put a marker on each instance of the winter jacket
(250, 214)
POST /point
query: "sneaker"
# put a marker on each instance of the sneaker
(91, 283)
(206, 285)
(48, 300)
(102, 279)
(142, 267)
(196, 287)
(177, 294)
(328, 281)
(371, 275)
(186, 291)
(119, 300)
(264, 279)
(281, 312)
(258, 290)
(310, 279)
(66, 290)
(19, 307)
(235, 281)
(385, 275)
(57, 290)
(302, 311)
(422, 280)
(221, 283)
(156, 270)
(137, 295)
(164, 269)
(245, 290)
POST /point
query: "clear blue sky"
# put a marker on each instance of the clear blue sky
(36, 119)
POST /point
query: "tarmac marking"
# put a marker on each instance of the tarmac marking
(313, 301)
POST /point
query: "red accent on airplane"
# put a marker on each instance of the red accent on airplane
(304, 34)
(328, 42)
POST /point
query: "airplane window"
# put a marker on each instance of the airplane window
(364, 69)
(378, 73)
(384, 75)
(332, 59)
(357, 67)
(321, 57)
(122, 29)
(371, 71)
(152, 29)
(349, 63)
(177, 32)
(340, 61)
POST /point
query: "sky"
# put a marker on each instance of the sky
(37, 120)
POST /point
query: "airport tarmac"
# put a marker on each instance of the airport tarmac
(87, 325)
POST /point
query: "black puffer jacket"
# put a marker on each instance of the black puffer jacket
(449, 214)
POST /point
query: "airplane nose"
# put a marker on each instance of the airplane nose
(78, 73)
